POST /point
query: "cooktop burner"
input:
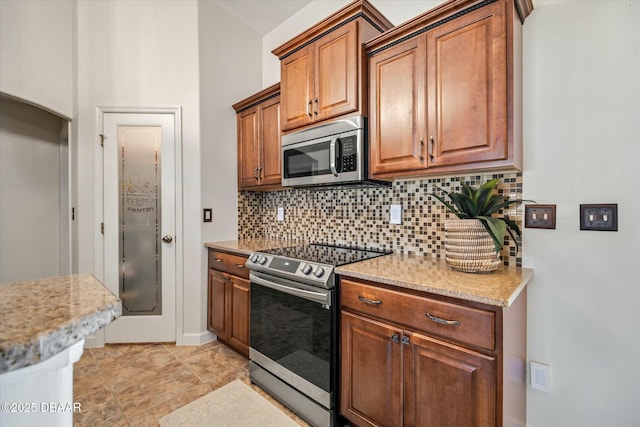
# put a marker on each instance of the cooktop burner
(325, 254)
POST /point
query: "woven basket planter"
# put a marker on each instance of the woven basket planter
(469, 247)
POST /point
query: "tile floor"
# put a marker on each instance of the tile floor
(135, 385)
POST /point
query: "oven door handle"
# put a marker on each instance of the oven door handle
(320, 298)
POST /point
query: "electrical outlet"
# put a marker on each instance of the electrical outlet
(540, 376)
(600, 217)
(395, 214)
(540, 216)
(280, 213)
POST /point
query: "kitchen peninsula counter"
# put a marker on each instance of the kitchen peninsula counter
(41, 318)
(498, 288)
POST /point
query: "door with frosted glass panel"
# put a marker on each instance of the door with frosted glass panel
(139, 224)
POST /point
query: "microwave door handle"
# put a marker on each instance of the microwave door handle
(332, 155)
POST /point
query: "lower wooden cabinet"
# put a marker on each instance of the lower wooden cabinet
(395, 374)
(228, 303)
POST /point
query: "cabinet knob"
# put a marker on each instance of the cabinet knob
(167, 239)
(395, 338)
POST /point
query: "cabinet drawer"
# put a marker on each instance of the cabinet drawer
(465, 324)
(229, 263)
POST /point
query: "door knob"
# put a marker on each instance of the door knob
(167, 239)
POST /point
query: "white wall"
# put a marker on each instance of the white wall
(36, 53)
(230, 70)
(30, 196)
(582, 134)
(396, 11)
(137, 54)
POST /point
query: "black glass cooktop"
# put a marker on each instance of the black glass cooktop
(325, 254)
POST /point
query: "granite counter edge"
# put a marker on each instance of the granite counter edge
(48, 344)
(474, 297)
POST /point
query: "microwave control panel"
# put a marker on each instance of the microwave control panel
(349, 154)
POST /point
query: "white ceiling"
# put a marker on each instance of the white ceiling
(262, 15)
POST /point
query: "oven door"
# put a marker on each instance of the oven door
(291, 334)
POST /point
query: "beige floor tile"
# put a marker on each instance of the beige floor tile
(151, 416)
(99, 409)
(140, 394)
(184, 351)
(214, 362)
(135, 385)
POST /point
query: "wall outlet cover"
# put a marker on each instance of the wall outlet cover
(395, 214)
(280, 213)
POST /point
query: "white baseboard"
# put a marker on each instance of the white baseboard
(95, 340)
(197, 339)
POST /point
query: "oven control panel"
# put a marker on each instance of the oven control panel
(307, 272)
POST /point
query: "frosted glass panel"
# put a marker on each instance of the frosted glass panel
(139, 219)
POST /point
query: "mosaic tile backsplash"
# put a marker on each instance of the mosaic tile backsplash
(360, 217)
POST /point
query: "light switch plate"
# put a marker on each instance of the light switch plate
(540, 376)
(540, 216)
(280, 213)
(207, 215)
(599, 217)
(395, 214)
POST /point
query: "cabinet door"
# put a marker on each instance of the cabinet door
(217, 304)
(336, 72)
(239, 314)
(296, 89)
(397, 111)
(270, 147)
(447, 385)
(370, 390)
(248, 147)
(467, 88)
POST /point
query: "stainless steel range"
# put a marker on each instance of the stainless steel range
(293, 352)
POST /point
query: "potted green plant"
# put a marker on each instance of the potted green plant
(473, 241)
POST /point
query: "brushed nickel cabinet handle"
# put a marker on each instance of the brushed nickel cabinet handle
(369, 301)
(441, 320)
(431, 144)
(316, 110)
(309, 109)
(217, 260)
(240, 265)
(420, 145)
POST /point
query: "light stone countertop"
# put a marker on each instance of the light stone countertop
(40, 318)
(498, 288)
(246, 246)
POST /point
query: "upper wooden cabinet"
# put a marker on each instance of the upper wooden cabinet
(259, 153)
(446, 91)
(322, 69)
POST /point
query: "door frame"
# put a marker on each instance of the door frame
(99, 338)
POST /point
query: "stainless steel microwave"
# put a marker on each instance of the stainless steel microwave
(326, 155)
